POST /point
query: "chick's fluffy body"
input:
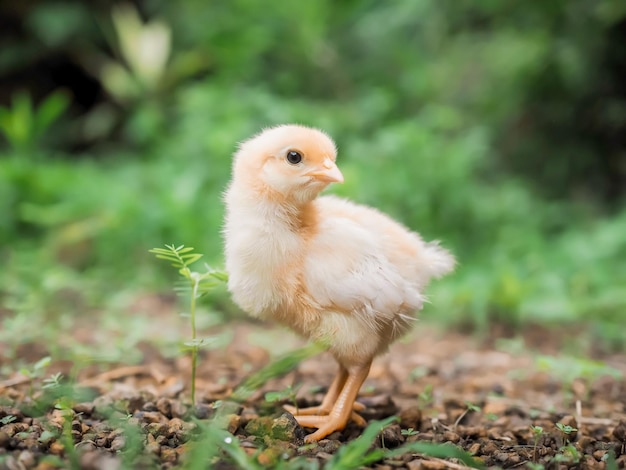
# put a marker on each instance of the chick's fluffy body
(330, 269)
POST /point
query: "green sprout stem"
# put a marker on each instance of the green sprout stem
(194, 347)
(181, 257)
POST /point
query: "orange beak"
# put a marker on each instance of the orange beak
(328, 172)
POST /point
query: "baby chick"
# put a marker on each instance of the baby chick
(331, 270)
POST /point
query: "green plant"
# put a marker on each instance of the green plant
(7, 419)
(537, 433)
(64, 405)
(470, 407)
(23, 124)
(358, 452)
(409, 432)
(276, 368)
(288, 393)
(567, 453)
(196, 285)
(566, 430)
(35, 372)
(425, 397)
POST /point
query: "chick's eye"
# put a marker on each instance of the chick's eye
(294, 157)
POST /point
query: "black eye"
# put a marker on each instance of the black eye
(294, 157)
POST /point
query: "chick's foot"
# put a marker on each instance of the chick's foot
(320, 410)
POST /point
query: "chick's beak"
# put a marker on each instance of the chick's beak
(327, 172)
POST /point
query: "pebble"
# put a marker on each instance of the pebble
(118, 443)
(392, 436)
(164, 406)
(84, 408)
(4, 439)
(56, 448)
(474, 448)
(411, 418)
(27, 459)
(156, 429)
(451, 436)
(152, 446)
(168, 455)
(619, 432)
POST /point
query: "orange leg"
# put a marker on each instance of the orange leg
(342, 410)
(329, 399)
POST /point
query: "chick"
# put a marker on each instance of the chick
(331, 270)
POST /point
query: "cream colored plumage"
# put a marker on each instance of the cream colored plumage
(330, 269)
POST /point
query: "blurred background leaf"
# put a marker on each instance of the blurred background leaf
(498, 127)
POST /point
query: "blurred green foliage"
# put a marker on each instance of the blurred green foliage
(495, 126)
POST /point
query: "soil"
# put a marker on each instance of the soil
(514, 403)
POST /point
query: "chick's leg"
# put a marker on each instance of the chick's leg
(341, 412)
(329, 399)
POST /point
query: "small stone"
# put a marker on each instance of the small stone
(411, 418)
(150, 416)
(86, 446)
(474, 448)
(164, 406)
(323, 456)
(156, 429)
(149, 406)
(84, 408)
(495, 407)
(599, 454)
(152, 446)
(168, 455)
(99, 460)
(233, 423)
(118, 443)
(175, 426)
(451, 436)
(46, 466)
(286, 428)
(178, 410)
(501, 456)
(260, 426)
(27, 459)
(391, 436)
(620, 431)
(329, 445)
(585, 443)
(56, 448)
(203, 411)
(12, 429)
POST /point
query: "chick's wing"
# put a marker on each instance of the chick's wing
(347, 270)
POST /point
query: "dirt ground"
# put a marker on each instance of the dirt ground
(511, 403)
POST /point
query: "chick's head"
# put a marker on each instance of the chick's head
(290, 161)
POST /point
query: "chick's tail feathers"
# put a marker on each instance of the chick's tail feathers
(437, 260)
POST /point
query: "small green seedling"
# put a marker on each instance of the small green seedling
(287, 393)
(418, 373)
(7, 419)
(566, 430)
(196, 284)
(54, 381)
(35, 371)
(535, 466)
(425, 398)
(65, 405)
(409, 432)
(470, 407)
(537, 433)
(568, 454)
